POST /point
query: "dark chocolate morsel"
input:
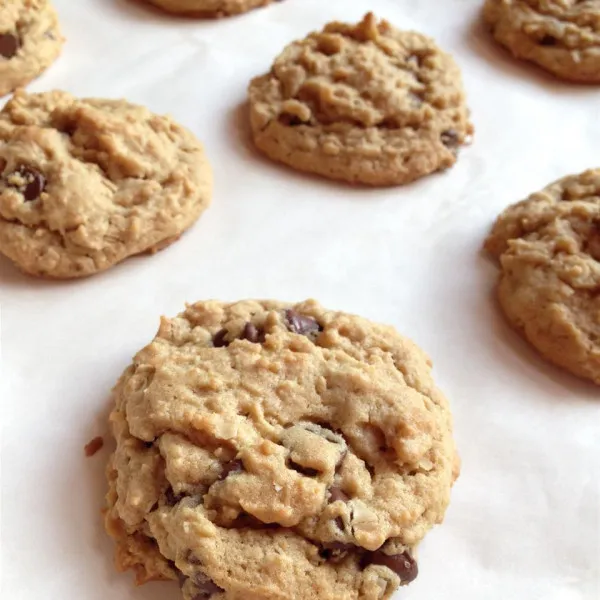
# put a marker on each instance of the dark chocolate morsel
(404, 565)
(219, 340)
(301, 324)
(9, 45)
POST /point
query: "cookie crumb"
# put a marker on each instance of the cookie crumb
(94, 446)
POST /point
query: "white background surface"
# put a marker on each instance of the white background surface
(525, 518)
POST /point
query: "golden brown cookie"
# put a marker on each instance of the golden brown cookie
(562, 36)
(364, 103)
(209, 8)
(548, 247)
(86, 183)
(30, 41)
(277, 452)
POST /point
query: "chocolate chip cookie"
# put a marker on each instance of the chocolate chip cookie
(30, 41)
(562, 36)
(210, 8)
(362, 103)
(86, 183)
(275, 451)
(548, 247)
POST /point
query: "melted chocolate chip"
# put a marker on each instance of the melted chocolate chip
(336, 493)
(233, 466)
(404, 565)
(206, 587)
(548, 40)
(219, 340)
(253, 334)
(301, 324)
(450, 139)
(35, 183)
(9, 45)
(306, 471)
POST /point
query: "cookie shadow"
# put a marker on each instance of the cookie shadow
(481, 42)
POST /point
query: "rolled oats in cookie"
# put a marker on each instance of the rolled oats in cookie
(30, 41)
(363, 103)
(562, 36)
(274, 451)
(85, 183)
(548, 247)
(209, 8)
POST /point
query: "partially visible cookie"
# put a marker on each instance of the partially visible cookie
(363, 103)
(209, 8)
(30, 40)
(86, 183)
(562, 36)
(548, 247)
(277, 452)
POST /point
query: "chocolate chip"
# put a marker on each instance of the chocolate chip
(336, 493)
(219, 340)
(206, 587)
(9, 45)
(404, 565)
(301, 324)
(233, 466)
(450, 138)
(35, 183)
(548, 40)
(148, 444)
(253, 334)
(307, 471)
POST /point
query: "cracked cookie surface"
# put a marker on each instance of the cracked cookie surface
(562, 36)
(30, 41)
(209, 8)
(276, 451)
(86, 183)
(363, 103)
(548, 247)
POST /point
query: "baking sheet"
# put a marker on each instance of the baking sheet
(525, 517)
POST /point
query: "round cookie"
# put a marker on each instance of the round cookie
(30, 41)
(363, 103)
(277, 451)
(210, 8)
(548, 247)
(562, 36)
(86, 183)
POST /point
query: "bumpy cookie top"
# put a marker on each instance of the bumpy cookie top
(29, 41)
(549, 249)
(267, 450)
(363, 102)
(561, 35)
(86, 183)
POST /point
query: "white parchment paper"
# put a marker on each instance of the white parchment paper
(525, 517)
